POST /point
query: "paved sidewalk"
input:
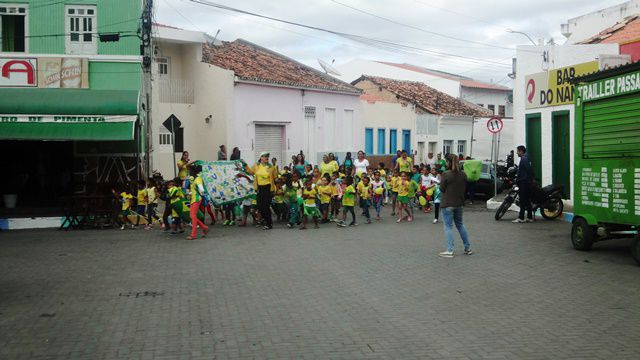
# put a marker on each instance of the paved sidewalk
(375, 291)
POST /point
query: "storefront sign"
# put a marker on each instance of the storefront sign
(63, 73)
(44, 72)
(553, 88)
(66, 118)
(619, 85)
(18, 72)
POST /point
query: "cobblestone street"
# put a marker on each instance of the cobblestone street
(375, 291)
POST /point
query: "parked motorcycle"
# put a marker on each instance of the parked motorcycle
(548, 199)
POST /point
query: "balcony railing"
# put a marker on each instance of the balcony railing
(176, 91)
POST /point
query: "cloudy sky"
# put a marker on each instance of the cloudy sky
(483, 51)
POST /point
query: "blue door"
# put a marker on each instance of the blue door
(393, 141)
(368, 141)
(381, 141)
(406, 141)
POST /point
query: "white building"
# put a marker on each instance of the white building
(494, 97)
(405, 115)
(241, 95)
(585, 26)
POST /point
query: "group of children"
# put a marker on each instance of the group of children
(333, 198)
(298, 196)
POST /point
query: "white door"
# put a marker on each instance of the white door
(81, 34)
(309, 146)
(420, 152)
(270, 138)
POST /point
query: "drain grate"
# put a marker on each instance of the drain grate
(142, 294)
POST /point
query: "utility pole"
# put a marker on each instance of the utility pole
(146, 50)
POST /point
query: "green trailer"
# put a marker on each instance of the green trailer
(607, 157)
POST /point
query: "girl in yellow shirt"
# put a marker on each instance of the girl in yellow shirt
(403, 196)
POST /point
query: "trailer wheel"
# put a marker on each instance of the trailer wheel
(635, 248)
(583, 235)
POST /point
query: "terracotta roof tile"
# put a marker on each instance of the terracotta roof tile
(426, 97)
(624, 31)
(464, 81)
(255, 63)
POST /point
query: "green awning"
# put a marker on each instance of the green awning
(102, 131)
(68, 114)
(68, 102)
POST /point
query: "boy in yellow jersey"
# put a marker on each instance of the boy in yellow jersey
(403, 196)
(141, 208)
(365, 194)
(175, 195)
(278, 200)
(125, 209)
(309, 196)
(197, 196)
(381, 170)
(395, 179)
(335, 197)
(348, 202)
(326, 192)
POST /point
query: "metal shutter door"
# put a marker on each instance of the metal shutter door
(269, 138)
(611, 128)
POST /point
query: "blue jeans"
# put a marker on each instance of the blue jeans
(453, 215)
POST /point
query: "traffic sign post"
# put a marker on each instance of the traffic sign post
(495, 125)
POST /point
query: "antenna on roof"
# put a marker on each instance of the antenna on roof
(215, 37)
(328, 68)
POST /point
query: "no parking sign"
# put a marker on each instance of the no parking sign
(495, 124)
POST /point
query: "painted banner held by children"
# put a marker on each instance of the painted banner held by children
(226, 181)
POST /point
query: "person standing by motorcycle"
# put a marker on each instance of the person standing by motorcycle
(524, 182)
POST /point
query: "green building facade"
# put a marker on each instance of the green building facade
(70, 97)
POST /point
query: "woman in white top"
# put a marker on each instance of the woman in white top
(360, 165)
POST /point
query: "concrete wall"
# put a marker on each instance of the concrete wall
(354, 69)
(488, 97)
(529, 61)
(387, 115)
(588, 25)
(255, 104)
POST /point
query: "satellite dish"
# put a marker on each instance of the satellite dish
(329, 69)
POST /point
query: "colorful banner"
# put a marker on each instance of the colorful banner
(226, 181)
(57, 72)
(553, 87)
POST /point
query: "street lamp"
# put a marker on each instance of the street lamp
(520, 32)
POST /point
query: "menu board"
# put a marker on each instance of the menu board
(615, 189)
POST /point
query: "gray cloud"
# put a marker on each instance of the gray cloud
(481, 21)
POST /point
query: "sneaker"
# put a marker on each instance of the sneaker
(528, 220)
(353, 224)
(368, 221)
(435, 221)
(289, 225)
(342, 224)
(518, 221)
(232, 223)
(122, 227)
(267, 227)
(468, 252)
(446, 254)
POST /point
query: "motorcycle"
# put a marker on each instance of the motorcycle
(547, 199)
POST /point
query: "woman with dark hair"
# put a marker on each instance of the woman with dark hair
(235, 154)
(453, 186)
(265, 184)
(360, 165)
(299, 165)
(348, 161)
(183, 165)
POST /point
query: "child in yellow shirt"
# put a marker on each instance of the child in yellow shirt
(348, 202)
(403, 196)
(309, 196)
(365, 194)
(325, 192)
(395, 178)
